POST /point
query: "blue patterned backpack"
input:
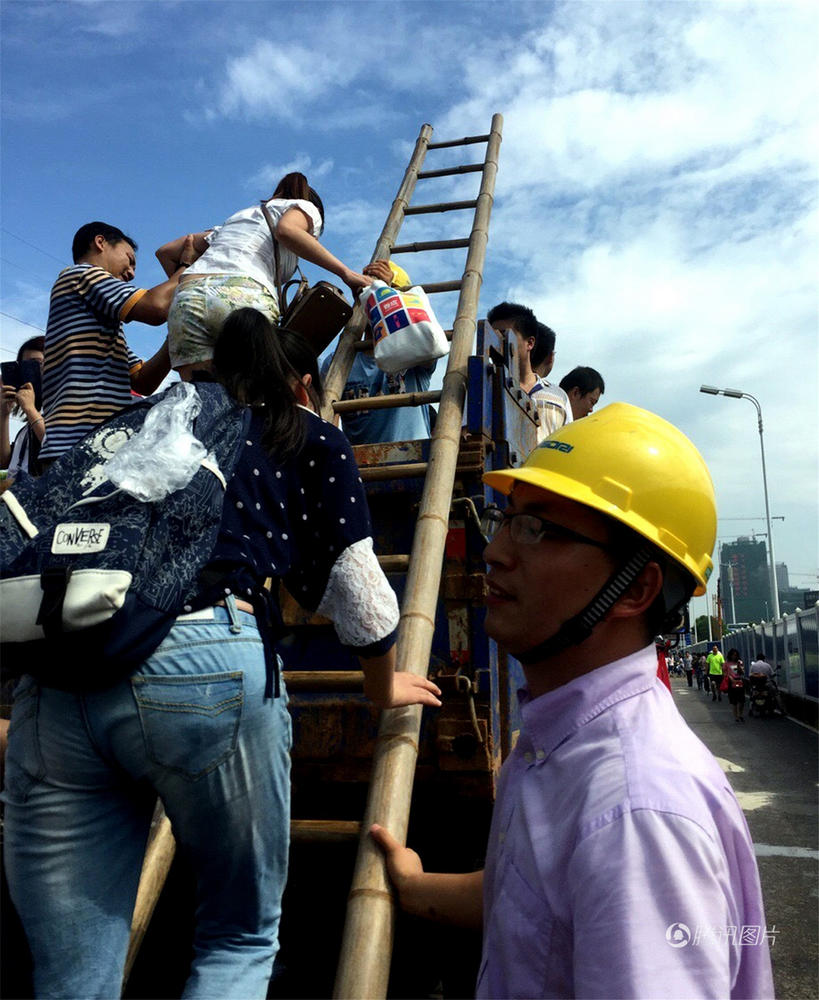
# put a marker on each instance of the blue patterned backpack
(91, 578)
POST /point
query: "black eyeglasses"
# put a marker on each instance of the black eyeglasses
(529, 529)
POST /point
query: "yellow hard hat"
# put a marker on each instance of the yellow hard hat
(633, 466)
(400, 278)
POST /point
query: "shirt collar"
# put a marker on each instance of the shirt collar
(549, 720)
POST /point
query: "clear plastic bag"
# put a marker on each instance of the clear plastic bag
(165, 454)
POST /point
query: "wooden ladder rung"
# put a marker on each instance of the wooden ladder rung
(395, 563)
(470, 461)
(324, 831)
(466, 168)
(405, 470)
(324, 680)
(388, 402)
(442, 286)
(444, 206)
(466, 141)
(431, 245)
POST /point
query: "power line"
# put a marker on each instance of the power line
(8, 232)
(29, 272)
(774, 517)
(11, 262)
(17, 320)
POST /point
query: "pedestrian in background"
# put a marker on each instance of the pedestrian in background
(698, 671)
(715, 660)
(734, 674)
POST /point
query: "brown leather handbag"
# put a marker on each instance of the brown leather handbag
(317, 312)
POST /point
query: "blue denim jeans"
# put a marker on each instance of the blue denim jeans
(82, 774)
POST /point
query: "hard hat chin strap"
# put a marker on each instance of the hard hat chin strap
(578, 628)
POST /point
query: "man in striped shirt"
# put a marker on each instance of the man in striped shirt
(535, 351)
(89, 371)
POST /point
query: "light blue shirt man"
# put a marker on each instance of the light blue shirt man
(400, 423)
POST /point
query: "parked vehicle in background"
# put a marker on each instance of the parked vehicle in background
(765, 700)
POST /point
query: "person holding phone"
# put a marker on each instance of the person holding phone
(21, 397)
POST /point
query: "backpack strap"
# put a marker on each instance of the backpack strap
(302, 282)
(269, 220)
(214, 468)
(19, 513)
(54, 581)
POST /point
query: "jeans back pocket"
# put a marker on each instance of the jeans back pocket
(190, 724)
(24, 767)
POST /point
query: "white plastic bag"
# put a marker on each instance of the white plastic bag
(165, 454)
(405, 330)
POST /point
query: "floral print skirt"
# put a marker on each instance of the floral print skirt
(200, 306)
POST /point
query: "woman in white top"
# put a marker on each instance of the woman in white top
(236, 268)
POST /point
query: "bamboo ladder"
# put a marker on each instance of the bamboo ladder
(366, 950)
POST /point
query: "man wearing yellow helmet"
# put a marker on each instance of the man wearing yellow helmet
(619, 863)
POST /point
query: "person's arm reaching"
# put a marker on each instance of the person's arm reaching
(150, 373)
(182, 251)
(152, 307)
(379, 269)
(293, 232)
(388, 689)
(455, 898)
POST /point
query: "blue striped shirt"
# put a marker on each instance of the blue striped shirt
(88, 365)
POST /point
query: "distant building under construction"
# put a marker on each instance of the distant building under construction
(744, 571)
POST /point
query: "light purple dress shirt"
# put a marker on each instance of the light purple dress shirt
(619, 861)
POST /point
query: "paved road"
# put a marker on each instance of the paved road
(773, 766)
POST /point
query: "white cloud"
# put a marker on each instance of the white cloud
(353, 66)
(277, 81)
(111, 20)
(609, 89)
(271, 173)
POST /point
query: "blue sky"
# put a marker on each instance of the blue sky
(656, 201)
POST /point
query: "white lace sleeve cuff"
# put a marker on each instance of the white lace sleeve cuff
(358, 599)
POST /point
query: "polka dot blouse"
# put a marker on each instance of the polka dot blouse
(291, 520)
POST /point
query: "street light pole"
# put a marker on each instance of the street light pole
(738, 394)
(731, 592)
(730, 569)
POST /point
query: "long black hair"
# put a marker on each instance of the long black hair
(250, 363)
(295, 185)
(302, 359)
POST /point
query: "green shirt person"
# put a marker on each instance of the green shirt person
(715, 660)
